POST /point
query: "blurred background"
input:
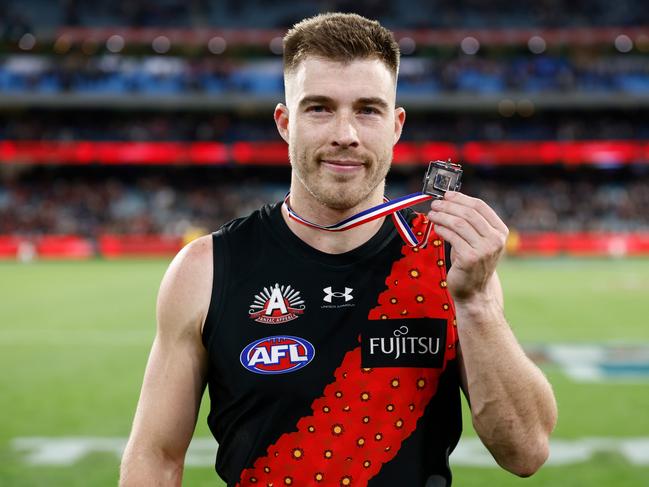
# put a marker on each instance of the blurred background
(128, 128)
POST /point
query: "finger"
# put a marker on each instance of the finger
(460, 226)
(480, 206)
(463, 255)
(459, 246)
(477, 221)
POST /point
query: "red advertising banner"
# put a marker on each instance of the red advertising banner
(260, 153)
(91, 152)
(69, 247)
(546, 244)
(579, 244)
(593, 152)
(116, 246)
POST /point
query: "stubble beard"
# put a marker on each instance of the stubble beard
(338, 192)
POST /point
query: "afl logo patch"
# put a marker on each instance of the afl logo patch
(277, 355)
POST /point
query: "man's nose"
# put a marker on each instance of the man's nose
(345, 133)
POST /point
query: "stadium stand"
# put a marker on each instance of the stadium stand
(116, 201)
(228, 127)
(256, 13)
(140, 118)
(118, 75)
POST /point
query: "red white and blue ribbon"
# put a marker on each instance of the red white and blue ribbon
(388, 207)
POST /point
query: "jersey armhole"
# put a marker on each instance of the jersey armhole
(220, 272)
(447, 255)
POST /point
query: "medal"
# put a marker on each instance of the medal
(440, 177)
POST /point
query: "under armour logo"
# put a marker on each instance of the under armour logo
(330, 294)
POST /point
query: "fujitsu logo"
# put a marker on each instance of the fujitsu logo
(415, 342)
(279, 304)
(400, 344)
(330, 294)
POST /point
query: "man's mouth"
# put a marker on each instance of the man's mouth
(343, 165)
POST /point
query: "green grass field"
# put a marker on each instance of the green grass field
(74, 339)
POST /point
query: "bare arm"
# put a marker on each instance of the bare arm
(174, 379)
(512, 404)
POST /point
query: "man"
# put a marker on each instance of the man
(335, 358)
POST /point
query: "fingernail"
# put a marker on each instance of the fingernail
(436, 204)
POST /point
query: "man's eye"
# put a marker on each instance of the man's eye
(369, 111)
(317, 108)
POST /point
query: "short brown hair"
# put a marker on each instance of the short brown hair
(340, 37)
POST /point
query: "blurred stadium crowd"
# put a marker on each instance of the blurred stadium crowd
(86, 71)
(148, 75)
(102, 125)
(174, 204)
(283, 13)
(147, 206)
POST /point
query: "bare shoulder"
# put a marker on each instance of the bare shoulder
(186, 289)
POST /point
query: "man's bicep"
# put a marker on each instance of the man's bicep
(174, 379)
(173, 385)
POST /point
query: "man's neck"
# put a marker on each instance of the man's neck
(312, 210)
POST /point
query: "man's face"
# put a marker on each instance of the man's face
(341, 124)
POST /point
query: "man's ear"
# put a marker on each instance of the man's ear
(281, 120)
(399, 120)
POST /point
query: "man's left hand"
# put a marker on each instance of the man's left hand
(477, 236)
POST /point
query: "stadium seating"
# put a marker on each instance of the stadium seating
(75, 108)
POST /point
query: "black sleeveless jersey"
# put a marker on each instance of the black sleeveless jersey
(333, 370)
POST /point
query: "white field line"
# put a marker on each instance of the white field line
(611, 362)
(66, 451)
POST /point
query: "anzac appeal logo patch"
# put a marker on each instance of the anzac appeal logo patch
(277, 355)
(279, 304)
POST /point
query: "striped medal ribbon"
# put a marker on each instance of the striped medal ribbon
(388, 207)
